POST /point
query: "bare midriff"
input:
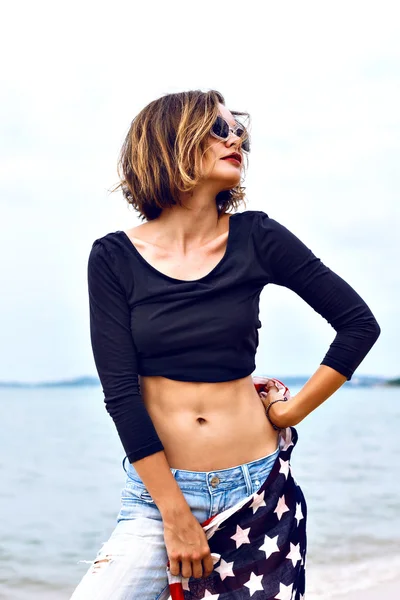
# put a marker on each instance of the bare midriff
(203, 426)
(207, 426)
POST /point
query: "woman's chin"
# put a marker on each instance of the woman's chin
(232, 183)
(230, 180)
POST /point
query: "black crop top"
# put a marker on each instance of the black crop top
(143, 322)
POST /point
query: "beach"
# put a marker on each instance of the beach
(388, 590)
(385, 591)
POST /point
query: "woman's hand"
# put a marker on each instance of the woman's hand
(187, 545)
(278, 413)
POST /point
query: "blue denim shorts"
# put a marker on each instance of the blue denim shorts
(206, 492)
(134, 558)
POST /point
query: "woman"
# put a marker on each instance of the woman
(174, 325)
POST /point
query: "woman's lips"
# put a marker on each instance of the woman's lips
(237, 162)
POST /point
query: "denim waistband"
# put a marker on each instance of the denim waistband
(226, 478)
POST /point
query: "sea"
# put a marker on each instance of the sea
(61, 475)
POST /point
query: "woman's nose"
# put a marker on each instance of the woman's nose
(233, 140)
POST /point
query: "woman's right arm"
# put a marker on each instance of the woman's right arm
(116, 361)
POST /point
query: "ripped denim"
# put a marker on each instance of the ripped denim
(131, 564)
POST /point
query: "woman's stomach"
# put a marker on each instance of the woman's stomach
(205, 426)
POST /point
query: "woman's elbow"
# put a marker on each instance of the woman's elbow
(372, 330)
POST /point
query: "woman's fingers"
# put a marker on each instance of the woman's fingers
(174, 566)
(208, 565)
(186, 567)
(271, 384)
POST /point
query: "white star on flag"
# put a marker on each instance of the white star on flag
(288, 442)
(294, 554)
(258, 501)
(225, 569)
(185, 583)
(254, 583)
(285, 465)
(211, 596)
(299, 515)
(285, 592)
(269, 546)
(281, 507)
(241, 536)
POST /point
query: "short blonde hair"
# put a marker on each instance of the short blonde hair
(163, 149)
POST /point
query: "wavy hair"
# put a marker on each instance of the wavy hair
(162, 152)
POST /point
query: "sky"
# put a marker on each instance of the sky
(321, 82)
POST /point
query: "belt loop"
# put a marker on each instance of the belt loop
(123, 464)
(247, 478)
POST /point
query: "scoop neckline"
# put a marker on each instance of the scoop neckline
(217, 266)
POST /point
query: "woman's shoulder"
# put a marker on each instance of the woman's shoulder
(260, 223)
(250, 219)
(257, 218)
(249, 214)
(112, 242)
(108, 239)
(109, 248)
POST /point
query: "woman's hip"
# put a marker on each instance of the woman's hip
(206, 492)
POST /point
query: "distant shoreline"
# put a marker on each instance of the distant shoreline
(290, 380)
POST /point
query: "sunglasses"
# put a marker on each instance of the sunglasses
(222, 130)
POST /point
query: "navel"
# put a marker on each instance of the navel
(201, 420)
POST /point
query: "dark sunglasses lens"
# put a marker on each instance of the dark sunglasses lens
(246, 145)
(241, 132)
(221, 128)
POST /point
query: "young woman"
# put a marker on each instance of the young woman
(174, 306)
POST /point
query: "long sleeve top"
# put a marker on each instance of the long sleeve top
(144, 322)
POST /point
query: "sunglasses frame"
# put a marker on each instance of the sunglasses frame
(232, 130)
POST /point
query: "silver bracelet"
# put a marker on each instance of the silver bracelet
(284, 399)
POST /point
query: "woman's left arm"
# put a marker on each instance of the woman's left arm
(290, 263)
(318, 388)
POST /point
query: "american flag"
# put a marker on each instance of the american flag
(258, 546)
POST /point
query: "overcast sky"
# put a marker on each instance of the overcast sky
(322, 84)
